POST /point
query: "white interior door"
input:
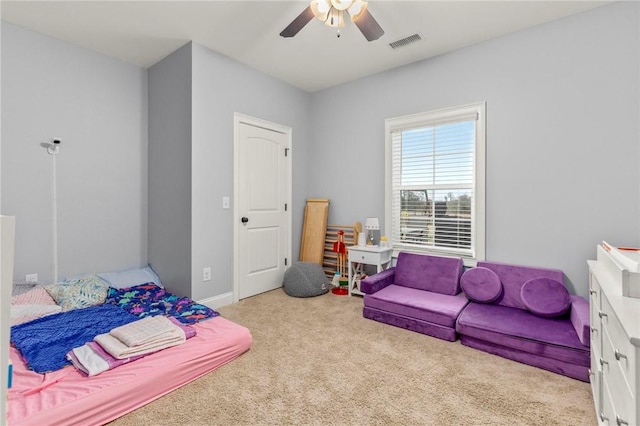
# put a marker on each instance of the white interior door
(262, 181)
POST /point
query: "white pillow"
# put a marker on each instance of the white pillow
(131, 277)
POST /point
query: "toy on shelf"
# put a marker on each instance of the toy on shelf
(339, 282)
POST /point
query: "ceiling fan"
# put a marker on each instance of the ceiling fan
(331, 12)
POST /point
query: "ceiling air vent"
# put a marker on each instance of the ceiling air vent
(405, 41)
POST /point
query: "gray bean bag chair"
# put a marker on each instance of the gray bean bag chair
(305, 279)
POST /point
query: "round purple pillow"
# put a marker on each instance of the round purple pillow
(545, 297)
(481, 285)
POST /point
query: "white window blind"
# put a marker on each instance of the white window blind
(435, 193)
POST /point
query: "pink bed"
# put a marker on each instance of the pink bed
(67, 397)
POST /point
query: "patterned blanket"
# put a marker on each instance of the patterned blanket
(44, 342)
(150, 300)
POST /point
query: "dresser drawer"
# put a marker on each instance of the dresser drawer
(596, 333)
(606, 415)
(364, 257)
(618, 407)
(617, 381)
(595, 377)
(594, 310)
(617, 349)
(594, 293)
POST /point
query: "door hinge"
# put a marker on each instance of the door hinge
(285, 207)
(285, 261)
(286, 152)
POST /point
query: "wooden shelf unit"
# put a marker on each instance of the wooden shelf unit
(330, 262)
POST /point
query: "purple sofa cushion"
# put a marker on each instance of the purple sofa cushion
(442, 309)
(513, 278)
(432, 273)
(576, 371)
(545, 297)
(519, 329)
(419, 326)
(377, 282)
(579, 317)
(481, 285)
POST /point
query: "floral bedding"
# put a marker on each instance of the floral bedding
(149, 299)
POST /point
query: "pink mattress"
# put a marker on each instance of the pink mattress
(67, 397)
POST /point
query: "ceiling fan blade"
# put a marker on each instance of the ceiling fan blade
(297, 24)
(369, 27)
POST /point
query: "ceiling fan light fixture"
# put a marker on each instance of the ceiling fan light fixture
(357, 8)
(332, 12)
(341, 4)
(320, 9)
(335, 19)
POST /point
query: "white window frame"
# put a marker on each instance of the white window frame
(478, 206)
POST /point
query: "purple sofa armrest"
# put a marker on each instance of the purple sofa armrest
(580, 319)
(378, 281)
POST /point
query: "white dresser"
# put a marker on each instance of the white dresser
(615, 344)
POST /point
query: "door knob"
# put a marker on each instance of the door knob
(244, 219)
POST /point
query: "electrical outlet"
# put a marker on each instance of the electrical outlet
(206, 274)
(31, 278)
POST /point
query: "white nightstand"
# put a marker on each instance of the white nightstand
(366, 255)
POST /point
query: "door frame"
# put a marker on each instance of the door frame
(239, 119)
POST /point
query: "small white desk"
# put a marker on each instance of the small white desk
(366, 255)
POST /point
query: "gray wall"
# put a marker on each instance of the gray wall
(170, 170)
(222, 86)
(98, 107)
(562, 146)
(562, 136)
(193, 95)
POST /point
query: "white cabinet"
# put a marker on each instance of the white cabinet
(7, 240)
(366, 255)
(615, 346)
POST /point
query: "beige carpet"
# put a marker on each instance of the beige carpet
(318, 361)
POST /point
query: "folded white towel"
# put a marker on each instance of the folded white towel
(141, 332)
(85, 359)
(119, 350)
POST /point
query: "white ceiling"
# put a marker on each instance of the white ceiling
(143, 32)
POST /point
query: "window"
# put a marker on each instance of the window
(435, 182)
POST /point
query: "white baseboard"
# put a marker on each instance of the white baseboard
(218, 301)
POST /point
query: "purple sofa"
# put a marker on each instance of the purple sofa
(525, 314)
(421, 293)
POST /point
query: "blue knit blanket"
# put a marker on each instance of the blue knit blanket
(45, 341)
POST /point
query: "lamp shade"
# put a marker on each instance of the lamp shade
(320, 9)
(372, 224)
(356, 9)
